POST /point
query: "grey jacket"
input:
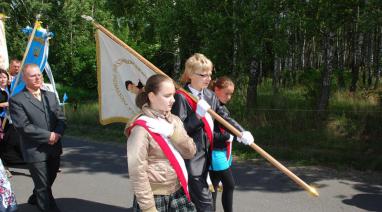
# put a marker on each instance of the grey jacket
(198, 165)
(34, 121)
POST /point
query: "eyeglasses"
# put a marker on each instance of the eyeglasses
(203, 75)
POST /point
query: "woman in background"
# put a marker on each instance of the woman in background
(7, 197)
(221, 159)
(4, 96)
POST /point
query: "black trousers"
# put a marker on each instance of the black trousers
(200, 193)
(43, 174)
(225, 176)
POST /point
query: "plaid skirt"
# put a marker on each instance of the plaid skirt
(176, 201)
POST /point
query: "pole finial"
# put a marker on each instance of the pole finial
(88, 18)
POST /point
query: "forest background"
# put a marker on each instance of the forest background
(307, 72)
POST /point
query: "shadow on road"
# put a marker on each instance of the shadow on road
(77, 205)
(371, 200)
(95, 157)
(258, 175)
(263, 177)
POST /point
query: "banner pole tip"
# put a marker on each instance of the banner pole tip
(88, 18)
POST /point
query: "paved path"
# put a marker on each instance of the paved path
(94, 178)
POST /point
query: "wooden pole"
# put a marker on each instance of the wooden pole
(222, 121)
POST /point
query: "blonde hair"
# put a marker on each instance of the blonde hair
(194, 63)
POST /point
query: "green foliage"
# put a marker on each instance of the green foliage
(231, 33)
(311, 80)
(286, 127)
(77, 95)
(83, 122)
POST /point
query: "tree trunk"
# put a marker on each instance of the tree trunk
(177, 62)
(261, 74)
(252, 85)
(328, 57)
(356, 49)
(355, 66)
(303, 50)
(275, 75)
(340, 62)
(235, 38)
(377, 56)
(369, 59)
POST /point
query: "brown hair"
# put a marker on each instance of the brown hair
(221, 83)
(15, 60)
(196, 62)
(2, 71)
(152, 85)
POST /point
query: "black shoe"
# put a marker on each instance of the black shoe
(54, 209)
(32, 200)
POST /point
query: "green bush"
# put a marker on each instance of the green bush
(76, 95)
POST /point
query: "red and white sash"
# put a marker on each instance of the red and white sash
(171, 153)
(228, 145)
(207, 119)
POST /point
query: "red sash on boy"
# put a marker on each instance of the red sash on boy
(171, 153)
(228, 145)
(207, 126)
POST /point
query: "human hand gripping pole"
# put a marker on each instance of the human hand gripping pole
(246, 138)
(202, 107)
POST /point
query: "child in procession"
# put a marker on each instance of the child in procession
(199, 125)
(156, 146)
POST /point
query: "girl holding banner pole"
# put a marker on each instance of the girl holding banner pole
(199, 125)
(156, 148)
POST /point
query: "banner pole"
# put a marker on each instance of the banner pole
(222, 121)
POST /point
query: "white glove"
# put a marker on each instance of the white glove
(246, 138)
(202, 108)
(230, 138)
(161, 127)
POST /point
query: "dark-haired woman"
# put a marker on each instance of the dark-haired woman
(156, 146)
(221, 158)
(4, 93)
(7, 197)
(4, 97)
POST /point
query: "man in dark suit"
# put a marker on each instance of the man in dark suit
(40, 123)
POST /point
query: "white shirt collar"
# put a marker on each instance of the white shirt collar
(196, 92)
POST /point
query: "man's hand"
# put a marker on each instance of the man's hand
(54, 137)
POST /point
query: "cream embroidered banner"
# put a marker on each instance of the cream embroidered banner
(121, 75)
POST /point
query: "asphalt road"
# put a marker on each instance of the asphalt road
(94, 178)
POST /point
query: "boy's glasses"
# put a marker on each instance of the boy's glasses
(203, 75)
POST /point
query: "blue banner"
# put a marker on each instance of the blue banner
(37, 53)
